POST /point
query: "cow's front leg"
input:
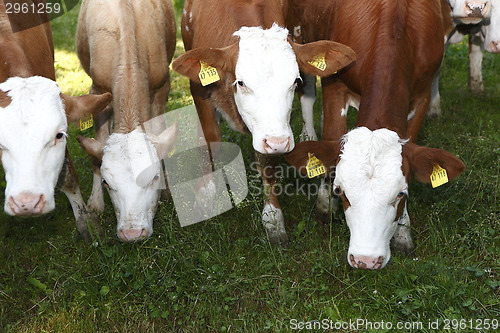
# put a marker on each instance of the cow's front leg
(307, 96)
(86, 221)
(476, 48)
(402, 241)
(272, 216)
(102, 124)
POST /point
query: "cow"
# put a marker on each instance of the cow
(399, 49)
(34, 117)
(126, 47)
(478, 20)
(258, 69)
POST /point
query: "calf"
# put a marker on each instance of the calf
(34, 118)
(483, 27)
(126, 47)
(399, 49)
(258, 69)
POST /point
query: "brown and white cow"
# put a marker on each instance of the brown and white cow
(480, 20)
(126, 47)
(399, 47)
(34, 118)
(259, 69)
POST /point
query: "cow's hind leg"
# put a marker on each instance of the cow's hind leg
(307, 95)
(272, 215)
(86, 221)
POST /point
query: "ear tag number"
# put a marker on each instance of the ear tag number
(86, 123)
(318, 62)
(314, 166)
(438, 176)
(208, 74)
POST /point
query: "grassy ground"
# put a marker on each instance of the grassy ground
(222, 275)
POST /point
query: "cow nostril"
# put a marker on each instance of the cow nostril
(132, 235)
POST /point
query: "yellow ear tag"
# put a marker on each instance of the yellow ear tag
(438, 176)
(318, 62)
(172, 152)
(314, 166)
(208, 74)
(86, 123)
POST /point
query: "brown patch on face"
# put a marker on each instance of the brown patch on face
(401, 207)
(4, 100)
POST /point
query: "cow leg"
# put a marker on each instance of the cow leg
(272, 216)
(86, 221)
(476, 49)
(335, 104)
(435, 105)
(402, 241)
(414, 124)
(206, 189)
(307, 95)
(102, 127)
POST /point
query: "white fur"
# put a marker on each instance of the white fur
(462, 8)
(492, 30)
(370, 174)
(268, 68)
(131, 168)
(31, 156)
(307, 104)
(274, 222)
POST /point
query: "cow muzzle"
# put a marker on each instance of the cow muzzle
(366, 262)
(495, 47)
(277, 145)
(477, 8)
(132, 235)
(27, 204)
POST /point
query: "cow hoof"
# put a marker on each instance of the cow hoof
(308, 136)
(324, 218)
(278, 238)
(403, 245)
(89, 228)
(274, 223)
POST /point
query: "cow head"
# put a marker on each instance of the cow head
(131, 171)
(470, 11)
(492, 30)
(261, 73)
(33, 129)
(372, 175)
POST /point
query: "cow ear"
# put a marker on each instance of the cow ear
(323, 58)
(423, 160)
(82, 106)
(189, 64)
(93, 147)
(165, 141)
(326, 151)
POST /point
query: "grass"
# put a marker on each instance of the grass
(222, 275)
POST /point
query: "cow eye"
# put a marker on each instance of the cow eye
(403, 193)
(298, 80)
(105, 183)
(241, 83)
(60, 135)
(337, 191)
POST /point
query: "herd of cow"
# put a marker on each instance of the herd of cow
(382, 57)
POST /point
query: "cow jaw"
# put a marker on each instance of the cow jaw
(33, 139)
(131, 172)
(370, 178)
(266, 72)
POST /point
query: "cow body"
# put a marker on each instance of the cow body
(34, 121)
(259, 70)
(126, 46)
(482, 25)
(399, 49)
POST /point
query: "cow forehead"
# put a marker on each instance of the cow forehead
(265, 54)
(370, 166)
(36, 109)
(127, 156)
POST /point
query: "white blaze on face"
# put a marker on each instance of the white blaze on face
(131, 171)
(369, 174)
(470, 11)
(266, 72)
(33, 131)
(492, 30)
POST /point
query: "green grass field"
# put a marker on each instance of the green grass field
(222, 275)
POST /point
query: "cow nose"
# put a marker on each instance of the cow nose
(132, 235)
(277, 145)
(495, 47)
(27, 204)
(476, 8)
(365, 262)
